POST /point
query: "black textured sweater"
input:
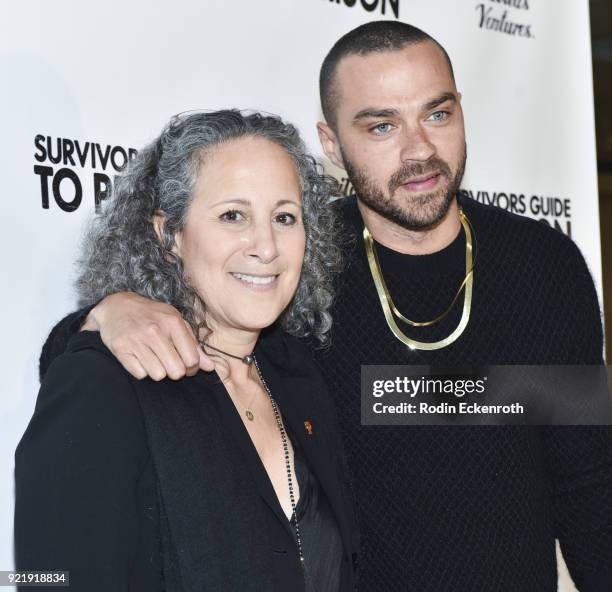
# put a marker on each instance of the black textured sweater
(474, 509)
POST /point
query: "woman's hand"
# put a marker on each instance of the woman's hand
(148, 338)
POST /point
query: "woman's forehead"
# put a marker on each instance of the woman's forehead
(249, 166)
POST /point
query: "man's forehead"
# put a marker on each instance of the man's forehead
(415, 72)
(408, 58)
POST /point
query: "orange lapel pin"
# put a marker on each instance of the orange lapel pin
(308, 426)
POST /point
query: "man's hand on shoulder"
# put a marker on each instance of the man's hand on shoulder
(148, 338)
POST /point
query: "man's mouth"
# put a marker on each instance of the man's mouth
(425, 182)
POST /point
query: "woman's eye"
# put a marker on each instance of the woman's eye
(381, 128)
(232, 216)
(285, 218)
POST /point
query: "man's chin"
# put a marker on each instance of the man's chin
(421, 212)
(410, 221)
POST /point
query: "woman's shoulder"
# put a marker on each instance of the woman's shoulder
(85, 489)
(294, 363)
(291, 356)
(87, 341)
(85, 352)
(87, 397)
(88, 371)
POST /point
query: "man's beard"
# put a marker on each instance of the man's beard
(418, 212)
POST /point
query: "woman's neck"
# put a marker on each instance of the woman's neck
(236, 342)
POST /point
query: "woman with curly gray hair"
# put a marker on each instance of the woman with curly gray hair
(227, 480)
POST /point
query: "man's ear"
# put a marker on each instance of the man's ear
(330, 144)
(159, 221)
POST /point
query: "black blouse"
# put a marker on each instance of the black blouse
(321, 541)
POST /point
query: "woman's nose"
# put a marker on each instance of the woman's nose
(264, 243)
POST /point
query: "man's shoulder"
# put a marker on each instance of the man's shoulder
(491, 217)
(495, 217)
(520, 236)
(504, 237)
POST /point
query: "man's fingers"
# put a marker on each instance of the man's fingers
(149, 337)
(164, 348)
(132, 365)
(206, 363)
(187, 346)
(199, 360)
(150, 362)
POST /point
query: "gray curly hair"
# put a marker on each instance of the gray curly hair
(122, 251)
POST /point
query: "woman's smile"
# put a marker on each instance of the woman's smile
(259, 283)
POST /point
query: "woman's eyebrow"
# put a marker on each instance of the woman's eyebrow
(233, 200)
(246, 202)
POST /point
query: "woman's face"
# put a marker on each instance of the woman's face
(243, 242)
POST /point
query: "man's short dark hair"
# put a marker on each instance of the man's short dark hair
(373, 37)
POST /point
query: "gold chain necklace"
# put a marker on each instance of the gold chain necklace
(389, 307)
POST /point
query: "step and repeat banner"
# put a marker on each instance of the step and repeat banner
(87, 84)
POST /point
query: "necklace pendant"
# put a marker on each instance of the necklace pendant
(249, 415)
(248, 360)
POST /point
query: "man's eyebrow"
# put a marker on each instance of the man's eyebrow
(447, 96)
(371, 113)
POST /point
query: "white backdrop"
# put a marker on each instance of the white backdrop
(112, 73)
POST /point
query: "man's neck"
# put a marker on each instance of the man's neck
(412, 242)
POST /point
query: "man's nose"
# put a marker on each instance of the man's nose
(416, 144)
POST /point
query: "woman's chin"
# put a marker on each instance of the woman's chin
(259, 324)
(255, 322)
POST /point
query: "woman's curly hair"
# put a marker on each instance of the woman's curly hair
(122, 251)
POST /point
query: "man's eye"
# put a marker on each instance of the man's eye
(232, 216)
(439, 116)
(285, 219)
(381, 128)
